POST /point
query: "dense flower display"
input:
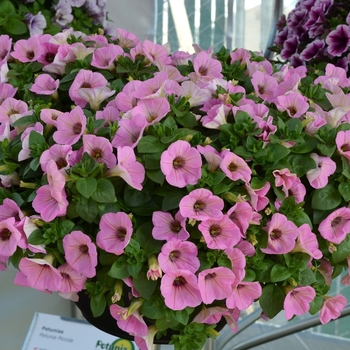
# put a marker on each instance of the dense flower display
(174, 190)
(24, 18)
(315, 33)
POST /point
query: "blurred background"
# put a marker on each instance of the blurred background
(248, 24)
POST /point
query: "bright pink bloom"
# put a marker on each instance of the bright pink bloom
(297, 301)
(181, 164)
(27, 50)
(307, 242)
(258, 199)
(336, 225)
(265, 86)
(133, 324)
(55, 179)
(282, 234)
(80, 253)
(294, 104)
(243, 295)
(343, 143)
(238, 262)
(204, 65)
(167, 228)
(9, 237)
(215, 283)
(129, 132)
(241, 214)
(331, 308)
(47, 206)
(220, 233)
(177, 255)
(180, 289)
(72, 281)
(44, 84)
(125, 101)
(70, 127)
(115, 232)
(40, 274)
(201, 204)
(10, 209)
(128, 168)
(59, 153)
(325, 167)
(235, 167)
(100, 149)
(104, 57)
(85, 79)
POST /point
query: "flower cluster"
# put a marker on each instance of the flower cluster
(173, 190)
(24, 18)
(315, 33)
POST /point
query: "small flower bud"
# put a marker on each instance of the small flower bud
(118, 291)
(154, 272)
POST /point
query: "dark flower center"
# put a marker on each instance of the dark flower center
(96, 154)
(178, 162)
(175, 226)
(203, 70)
(335, 222)
(198, 206)
(65, 276)
(77, 128)
(85, 85)
(179, 281)
(215, 230)
(210, 276)
(61, 163)
(3, 54)
(121, 233)
(261, 89)
(49, 57)
(276, 234)
(345, 147)
(174, 255)
(292, 111)
(5, 234)
(83, 249)
(30, 55)
(232, 167)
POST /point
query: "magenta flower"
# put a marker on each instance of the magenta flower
(201, 204)
(27, 50)
(45, 85)
(9, 237)
(215, 283)
(342, 141)
(168, 228)
(235, 167)
(115, 232)
(325, 167)
(80, 253)
(338, 40)
(180, 289)
(307, 242)
(181, 164)
(40, 274)
(177, 255)
(293, 103)
(243, 295)
(331, 308)
(47, 206)
(336, 225)
(70, 127)
(297, 301)
(282, 234)
(100, 149)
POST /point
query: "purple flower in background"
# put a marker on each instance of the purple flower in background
(312, 50)
(296, 61)
(76, 3)
(338, 40)
(63, 14)
(290, 47)
(297, 18)
(36, 23)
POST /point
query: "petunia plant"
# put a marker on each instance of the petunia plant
(173, 190)
(315, 33)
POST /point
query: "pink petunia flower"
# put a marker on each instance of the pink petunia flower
(181, 164)
(153, 109)
(307, 242)
(44, 84)
(168, 228)
(220, 233)
(10, 209)
(265, 86)
(282, 234)
(342, 141)
(72, 282)
(336, 225)
(177, 255)
(12, 109)
(70, 127)
(49, 116)
(241, 214)
(297, 301)
(27, 50)
(204, 65)
(9, 237)
(25, 151)
(215, 283)
(125, 100)
(180, 289)
(80, 253)
(325, 167)
(258, 199)
(294, 104)
(58, 153)
(104, 57)
(6, 90)
(243, 295)
(28, 228)
(115, 232)
(238, 263)
(96, 95)
(331, 308)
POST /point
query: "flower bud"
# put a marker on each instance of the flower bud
(118, 291)
(154, 272)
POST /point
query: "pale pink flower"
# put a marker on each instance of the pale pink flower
(153, 109)
(297, 301)
(284, 178)
(177, 255)
(307, 242)
(343, 143)
(282, 234)
(215, 283)
(258, 199)
(331, 308)
(216, 117)
(154, 271)
(128, 168)
(72, 281)
(96, 95)
(9, 237)
(27, 50)
(10, 209)
(243, 295)
(155, 52)
(326, 270)
(100, 149)
(125, 101)
(238, 263)
(24, 153)
(104, 57)
(49, 116)
(5, 48)
(12, 109)
(204, 65)
(110, 114)
(241, 214)
(150, 88)
(201, 204)
(59, 153)
(194, 94)
(28, 228)
(336, 225)
(293, 103)
(70, 127)
(181, 164)
(165, 227)
(325, 167)
(115, 232)
(125, 38)
(180, 289)
(265, 86)
(220, 233)
(211, 155)
(6, 90)
(55, 179)
(40, 274)
(44, 84)
(80, 253)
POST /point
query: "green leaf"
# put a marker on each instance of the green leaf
(172, 201)
(36, 237)
(181, 316)
(306, 277)
(276, 152)
(104, 192)
(153, 308)
(15, 26)
(271, 300)
(301, 163)
(279, 273)
(316, 304)
(119, 270)
(98, 304)
(30, 119)
(326, 198)
(87, 211)
(35, 139)
(344, 190)
(7, 8)
(86, 186)
(165, 322)
(343, 250)
(144, 286)
(150, 144)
